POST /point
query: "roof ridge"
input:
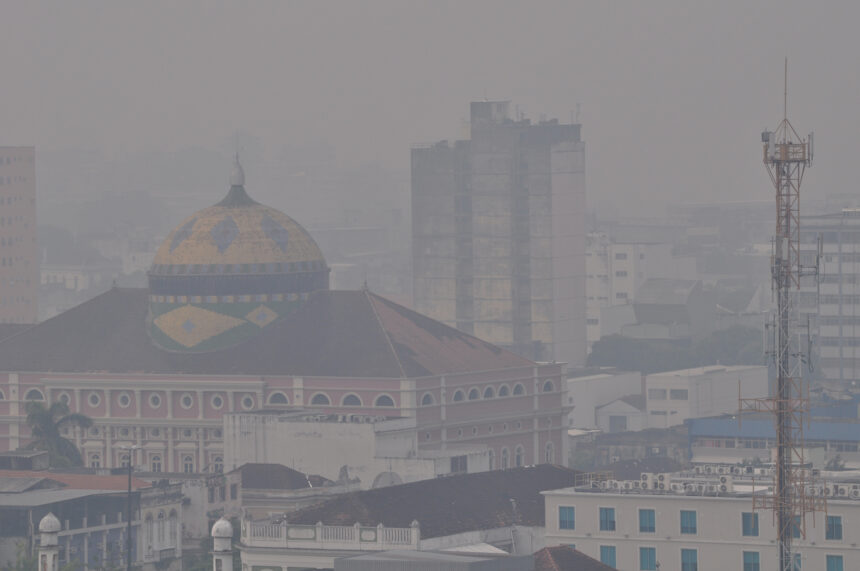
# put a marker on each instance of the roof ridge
(367, 294)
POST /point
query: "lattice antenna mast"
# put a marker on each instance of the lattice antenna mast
(786, 157)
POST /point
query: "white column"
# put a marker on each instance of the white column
(49, 549)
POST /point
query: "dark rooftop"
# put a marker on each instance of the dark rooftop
(450, 505)
(564, 558)
(336, 333)
(276, 477)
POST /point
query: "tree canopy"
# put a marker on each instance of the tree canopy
(737, 345)
(46, 424)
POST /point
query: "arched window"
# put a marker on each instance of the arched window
(34, 394)
(492, 458)
(474, 394)
(458, 395)
(351, 400)
(519, 389)
(549, 453)
(505, 461)
(188, 464)
(320, 399)
(218, 465)
(95, 461)
(155, 463)
(519, 456)
(384, 400)
(148, 531)
(161, 529)
(504, 391)
(489, 393)
(173, 524)
(123, 460)
(548, 387)
(278, 398)
(427, 399)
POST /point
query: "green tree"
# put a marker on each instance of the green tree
(46, 425)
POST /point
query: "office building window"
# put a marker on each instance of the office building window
(647, 521)
(688, 522)
(751, 561)
(647, 559)
(795, 527)
(566, 517)
(689, 560)
(834, 563)
(834, 527)
(749, 524)
(607, 555)
(607, 519)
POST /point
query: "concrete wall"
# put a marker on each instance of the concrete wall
(376, 454)
(675, 396)
(587, 393)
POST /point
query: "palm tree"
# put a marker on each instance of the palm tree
(45, 426)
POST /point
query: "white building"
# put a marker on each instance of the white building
(626, 413)
(689, 531)
(674, 396)
(615, 270)
(835, 301)
(586, 393)
(373, 450)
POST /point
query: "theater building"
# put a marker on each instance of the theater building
(238, 317)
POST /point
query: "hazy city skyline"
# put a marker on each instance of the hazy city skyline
(672, 96)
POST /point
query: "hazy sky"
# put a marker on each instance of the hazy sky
(673, 94)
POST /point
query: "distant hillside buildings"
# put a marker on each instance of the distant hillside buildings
(498, 233)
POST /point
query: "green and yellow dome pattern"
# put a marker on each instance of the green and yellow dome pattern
(229, 271)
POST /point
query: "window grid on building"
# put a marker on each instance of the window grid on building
(607, 519)
(566, 517)
(647, 520)
(688, 522)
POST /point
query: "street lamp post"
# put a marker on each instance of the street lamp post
(131, 450)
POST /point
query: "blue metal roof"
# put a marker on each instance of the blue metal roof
(763, 428)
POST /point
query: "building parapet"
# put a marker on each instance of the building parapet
(341, 537)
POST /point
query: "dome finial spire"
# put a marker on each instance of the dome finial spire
(237, 178)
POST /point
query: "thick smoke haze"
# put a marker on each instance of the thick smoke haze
(672, 95)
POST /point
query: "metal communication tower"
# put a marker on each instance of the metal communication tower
(786, 157)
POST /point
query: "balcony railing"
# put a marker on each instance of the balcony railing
(352, 537)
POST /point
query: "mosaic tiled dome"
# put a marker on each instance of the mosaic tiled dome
(228, 271)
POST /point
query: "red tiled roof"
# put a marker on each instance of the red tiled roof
(334, 334)
(564, 558)
(79, 481)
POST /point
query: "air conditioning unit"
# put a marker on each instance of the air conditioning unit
(637, 484)
(689, 487)
(827, 490)
(737, 470)
(840, 490)
(762, 472)
(709, 469)
(726, 480)
(647, 481)
(614, 484)
(698, 469)
(661, 477)
(723, 469)
(677, 488)
(749, 470)
(628, 485)
(700, 488)
(727, 488)
(602, 485)
(711, 489)
(854, 494)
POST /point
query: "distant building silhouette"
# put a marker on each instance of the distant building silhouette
(498, 226)
(19, 253)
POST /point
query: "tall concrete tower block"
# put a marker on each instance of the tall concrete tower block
(222, 549)
(49, 548)
(498, 233)
(19, 252)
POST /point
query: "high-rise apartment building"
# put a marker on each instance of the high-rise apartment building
(19, 254)
(833, 303)
(498, 233)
